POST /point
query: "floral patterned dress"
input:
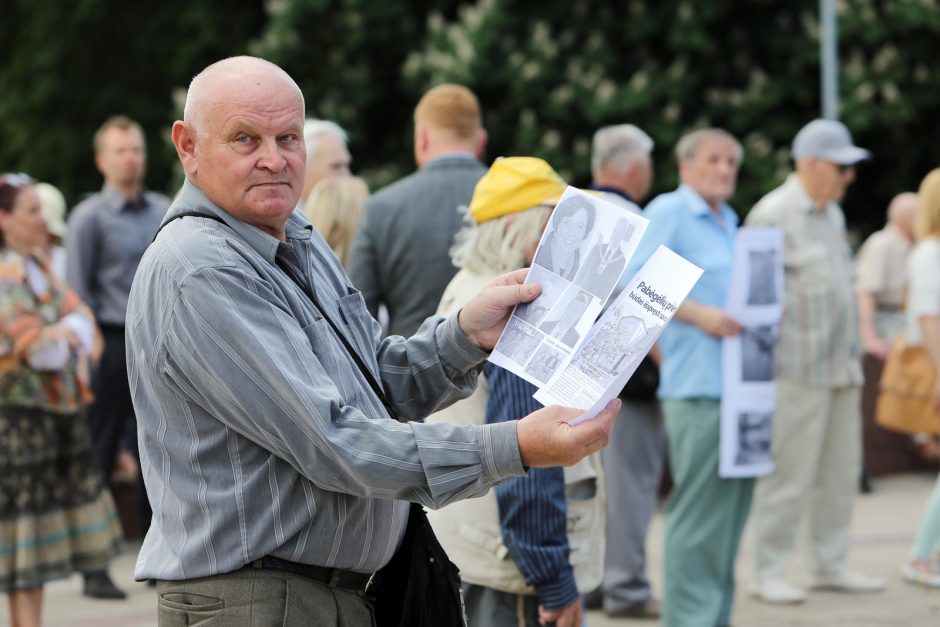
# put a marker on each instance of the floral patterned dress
(55, 516)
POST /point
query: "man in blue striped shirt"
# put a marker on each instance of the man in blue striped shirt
(265, 394)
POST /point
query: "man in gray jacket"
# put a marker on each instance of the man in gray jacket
(401, 255)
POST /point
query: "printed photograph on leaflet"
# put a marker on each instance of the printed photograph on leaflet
(617, 343)
(581, 256)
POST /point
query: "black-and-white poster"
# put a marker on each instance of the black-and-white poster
(757, 353)
(748, 395)
(754, 432)
(762, 277)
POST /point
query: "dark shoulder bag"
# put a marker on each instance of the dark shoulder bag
(420, 586)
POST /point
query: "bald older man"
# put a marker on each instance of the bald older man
(881, 271)
(265, 396)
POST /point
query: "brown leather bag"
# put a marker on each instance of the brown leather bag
(905, 398)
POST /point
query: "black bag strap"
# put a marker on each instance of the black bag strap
(185, 214)
(298, 281)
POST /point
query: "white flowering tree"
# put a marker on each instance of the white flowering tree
(549, 74)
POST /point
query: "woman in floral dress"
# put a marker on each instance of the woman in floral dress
(55, 517)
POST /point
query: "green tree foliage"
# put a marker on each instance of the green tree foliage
(67, 66)
(550, 74)
(347, 56)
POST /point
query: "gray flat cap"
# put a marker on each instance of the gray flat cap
(828, 140)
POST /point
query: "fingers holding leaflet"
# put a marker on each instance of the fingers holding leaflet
(546, 437)
(482, 319)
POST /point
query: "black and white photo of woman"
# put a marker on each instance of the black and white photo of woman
(571, 225)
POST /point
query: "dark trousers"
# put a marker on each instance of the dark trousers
(112, 414)
(487, 607)
(633, 468)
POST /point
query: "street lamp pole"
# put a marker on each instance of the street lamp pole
(829, 57)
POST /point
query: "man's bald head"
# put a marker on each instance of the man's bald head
(231, 77)
(241, 140)
(902, 211)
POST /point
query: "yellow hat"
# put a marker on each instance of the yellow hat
(515, 184)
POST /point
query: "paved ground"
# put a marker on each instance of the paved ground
(884, 526)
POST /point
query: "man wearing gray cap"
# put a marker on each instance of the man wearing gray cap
(817, 426)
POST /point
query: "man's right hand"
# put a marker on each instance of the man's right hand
(546, 439)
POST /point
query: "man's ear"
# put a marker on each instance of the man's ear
(421, 144)
(98, 163)
(683, 170)
(482, 137)
(184, 140)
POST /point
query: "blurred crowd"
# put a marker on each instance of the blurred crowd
(538, 548)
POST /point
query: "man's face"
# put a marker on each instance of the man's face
(249, 157)
(331, 158)
(832, 179)
(713, 171)
(121, 158)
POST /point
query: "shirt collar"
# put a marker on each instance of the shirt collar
(612, 190)
(116, 201)
(698, 207)
(191, 198)
(455, 155)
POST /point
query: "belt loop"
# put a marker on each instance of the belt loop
(335, 578)
(258, 563)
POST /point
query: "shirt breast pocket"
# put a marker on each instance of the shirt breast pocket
(335, 363)
(359, 327)
(810, 269)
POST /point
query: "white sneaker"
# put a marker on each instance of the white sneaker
(778, 592)
(924, 574)
(849, 581)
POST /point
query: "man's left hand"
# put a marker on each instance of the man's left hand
(483, 318)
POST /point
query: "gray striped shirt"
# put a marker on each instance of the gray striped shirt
(819, 338)
(258, 434)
